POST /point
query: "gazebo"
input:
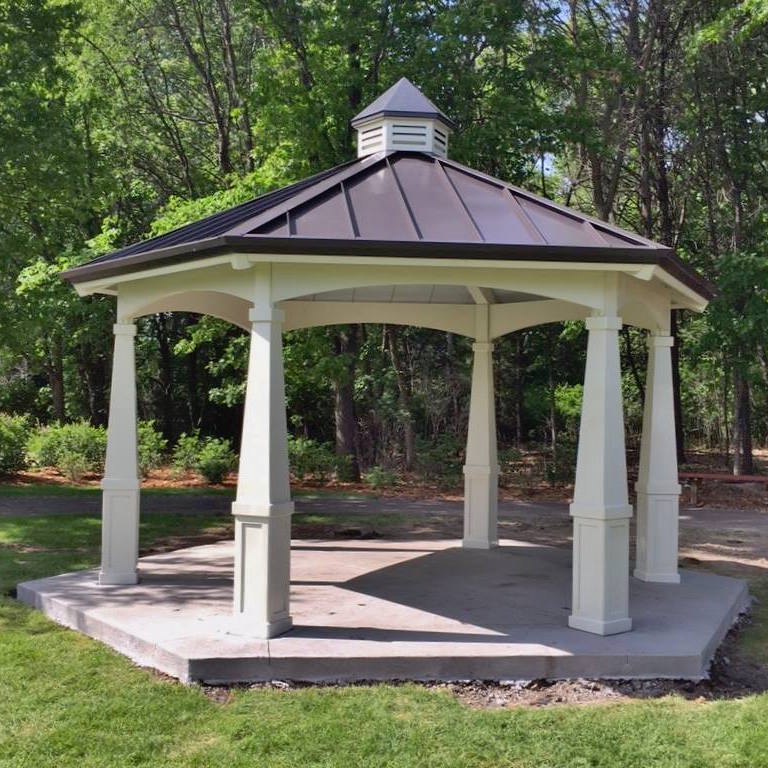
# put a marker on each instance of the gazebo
(402, 234)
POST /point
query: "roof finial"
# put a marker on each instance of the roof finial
(402, 119)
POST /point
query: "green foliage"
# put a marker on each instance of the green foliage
(216, 459)
(112, 129)
(73, 464)
(568, 399)
(14, 433)
(187, 451)
(561, 467)
(74, 449)
(311, 460)
(379, 478)
(151, 446)
(211, 457)
(79, 448)
(440, 460)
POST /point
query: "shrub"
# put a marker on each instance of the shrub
(73, 465)
(216, 459)
(440, 461)
(512, 470)
(562, 467)
(74, 449)
(152, 446)
(187, 451)
(211, 457)
(378, 477)
(311, 459)
(43, 447)
(14, 433)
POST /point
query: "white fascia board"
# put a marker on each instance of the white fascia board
(239, 261)
(687, 298)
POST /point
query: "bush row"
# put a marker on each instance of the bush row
(80, 448)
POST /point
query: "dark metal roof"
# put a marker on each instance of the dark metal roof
(406, 204)
(403, 99)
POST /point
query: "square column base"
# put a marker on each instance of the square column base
(596, 627)
(600, 574)
(479, 543)
(119, 532)
(481, 502)
(107, 578)
(657, 537)
(262, 569)
(264, 631)
(659, 578)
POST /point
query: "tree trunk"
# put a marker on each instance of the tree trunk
(726, 425)
(165, 378)
(93, 371)
(742, 435)
(519, 368)
(56, 380)
(552, 408)
(676, 393)
(450, 378)
(633, 365)
(344, 403)
(404, 397)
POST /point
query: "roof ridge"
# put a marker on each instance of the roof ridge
(170, 237)
(308, 193)
(572, 213)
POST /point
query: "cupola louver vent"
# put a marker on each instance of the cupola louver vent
(402, 119)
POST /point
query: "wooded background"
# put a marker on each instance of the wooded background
(119, 120)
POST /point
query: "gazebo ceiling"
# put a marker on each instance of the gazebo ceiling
(407, 203)
(422, 294)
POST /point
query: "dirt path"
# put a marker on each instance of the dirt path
(536, 513)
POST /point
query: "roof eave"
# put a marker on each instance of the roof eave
(662, 257)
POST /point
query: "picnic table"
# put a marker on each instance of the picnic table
(692, 480)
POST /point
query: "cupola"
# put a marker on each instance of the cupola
(402, 119)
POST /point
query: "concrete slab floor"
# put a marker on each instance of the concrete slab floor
(377, 610)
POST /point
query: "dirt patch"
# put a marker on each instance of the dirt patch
(729, 679)
(164, 477)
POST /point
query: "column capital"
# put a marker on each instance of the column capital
(124, 329)
(266, 314)
(603, 323)
(659, 340)
(483, 346)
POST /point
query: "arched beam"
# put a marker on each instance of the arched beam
(506, 318)
(292, 281)
(454, 318)
(222, 305)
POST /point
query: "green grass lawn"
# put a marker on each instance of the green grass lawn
(66, 700)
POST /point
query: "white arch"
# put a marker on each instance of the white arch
(222, 305)
(291, 281)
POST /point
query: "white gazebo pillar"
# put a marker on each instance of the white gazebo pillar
(120, 485)
(481, 471)
(600, 508)
(657, 485)
(263, 507)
